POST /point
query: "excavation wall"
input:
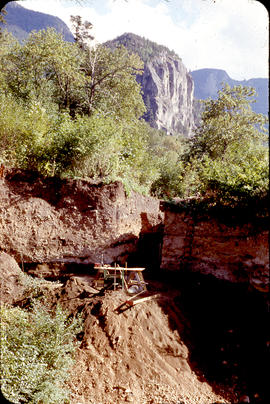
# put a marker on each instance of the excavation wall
(47, 219)
(223, 246)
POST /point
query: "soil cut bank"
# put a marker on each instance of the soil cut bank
(204, 340)
(48, 219)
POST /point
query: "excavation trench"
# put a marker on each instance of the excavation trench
(222, 324)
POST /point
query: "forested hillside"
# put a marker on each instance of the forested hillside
(21, 21)
(79, 113)
(146, 49)
(207, 82)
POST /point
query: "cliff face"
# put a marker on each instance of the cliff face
(168, 94)
(167, 87)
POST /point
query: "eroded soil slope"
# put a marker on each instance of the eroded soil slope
(135, 356)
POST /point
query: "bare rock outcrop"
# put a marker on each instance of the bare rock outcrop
(168, 94)
(48, 219)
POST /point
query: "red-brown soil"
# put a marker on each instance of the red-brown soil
(199, 341)
(135, 356)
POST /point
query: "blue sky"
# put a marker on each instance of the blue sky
(226, 34)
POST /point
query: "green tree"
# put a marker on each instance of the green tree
(45, 68)
(226, 122)
(229, 151)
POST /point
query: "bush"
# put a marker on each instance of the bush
(37, 349)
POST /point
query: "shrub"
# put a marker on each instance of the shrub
(37, 349)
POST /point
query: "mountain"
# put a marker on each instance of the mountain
(207, 82)
(169, 91)
(21, 21)
(167, 87)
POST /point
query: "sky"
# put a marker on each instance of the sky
(231, 35)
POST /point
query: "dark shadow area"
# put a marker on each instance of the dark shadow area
(226, 329)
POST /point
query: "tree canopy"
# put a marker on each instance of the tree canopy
(229, 149)
(75, 109)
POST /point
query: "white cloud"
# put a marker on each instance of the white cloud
(226, 34)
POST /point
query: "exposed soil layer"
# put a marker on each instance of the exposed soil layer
(137, 355)
(202, 340)
(52, 219)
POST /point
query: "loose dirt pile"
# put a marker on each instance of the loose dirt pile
(199, 341)
(135, 356)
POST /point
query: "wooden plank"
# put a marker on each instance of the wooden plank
(141, 300)
(120, 268)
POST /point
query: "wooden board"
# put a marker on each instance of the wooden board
(121, 269)
(141, 300)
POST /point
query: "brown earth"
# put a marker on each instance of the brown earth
(233, 246)
(198, 341)
(203, 340)
(49, 219)
(135, 356)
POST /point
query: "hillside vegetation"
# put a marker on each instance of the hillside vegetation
(20, 22)
(146, 49)
(78, 113)
(72, 110)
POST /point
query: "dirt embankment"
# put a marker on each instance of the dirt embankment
(137, 355)
(48, 219)
(201, 341)
(230, 245)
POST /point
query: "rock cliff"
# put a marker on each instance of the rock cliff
(168, 94)
(167, 87)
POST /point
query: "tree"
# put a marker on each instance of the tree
(110, 76)
(228, 121)
(229, 150)
(44, 68)
(82, 31)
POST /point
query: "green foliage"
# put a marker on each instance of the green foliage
(37, 347)
(111, 85)
(44, 69)
(228, 152)
(31, 138)
(226, 121)
(167, 152)
(69, 109)
(146, 49)
(238, 177)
